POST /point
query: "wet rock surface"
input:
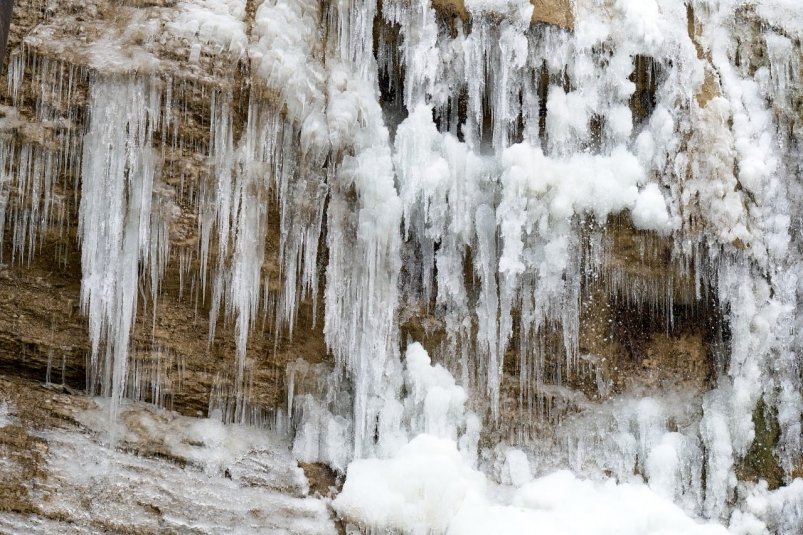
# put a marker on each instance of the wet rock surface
(167, 473)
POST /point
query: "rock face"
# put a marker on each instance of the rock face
(45, 334)
(45, 115)
(59, 474)
(588, 212)
(556, 12)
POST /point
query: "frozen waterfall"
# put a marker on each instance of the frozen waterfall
(553, 248)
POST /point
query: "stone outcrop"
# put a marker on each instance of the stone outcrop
(43, 333)
(555, 12)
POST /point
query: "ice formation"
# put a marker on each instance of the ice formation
(116, 221)
(428, 487)
(430, 484)
(468, 166)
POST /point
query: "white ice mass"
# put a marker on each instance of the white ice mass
(430, 485)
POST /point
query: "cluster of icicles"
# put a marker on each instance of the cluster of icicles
(476, 155)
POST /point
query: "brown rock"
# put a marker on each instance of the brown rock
(556, 12)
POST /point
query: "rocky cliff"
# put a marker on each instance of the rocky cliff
(588, 212)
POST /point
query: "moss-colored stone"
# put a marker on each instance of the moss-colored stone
(760, 461)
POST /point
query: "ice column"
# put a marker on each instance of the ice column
(115, 220)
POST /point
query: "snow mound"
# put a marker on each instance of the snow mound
(430, 487)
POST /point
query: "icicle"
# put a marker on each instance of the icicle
(115, 220)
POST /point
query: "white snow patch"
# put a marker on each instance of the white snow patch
(431, 483)
(650, 211)
(212, 22)
(785, 14)
(429, 487)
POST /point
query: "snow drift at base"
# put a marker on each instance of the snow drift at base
(430, 485)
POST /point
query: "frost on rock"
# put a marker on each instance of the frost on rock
(216, 22)
(175, 473)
